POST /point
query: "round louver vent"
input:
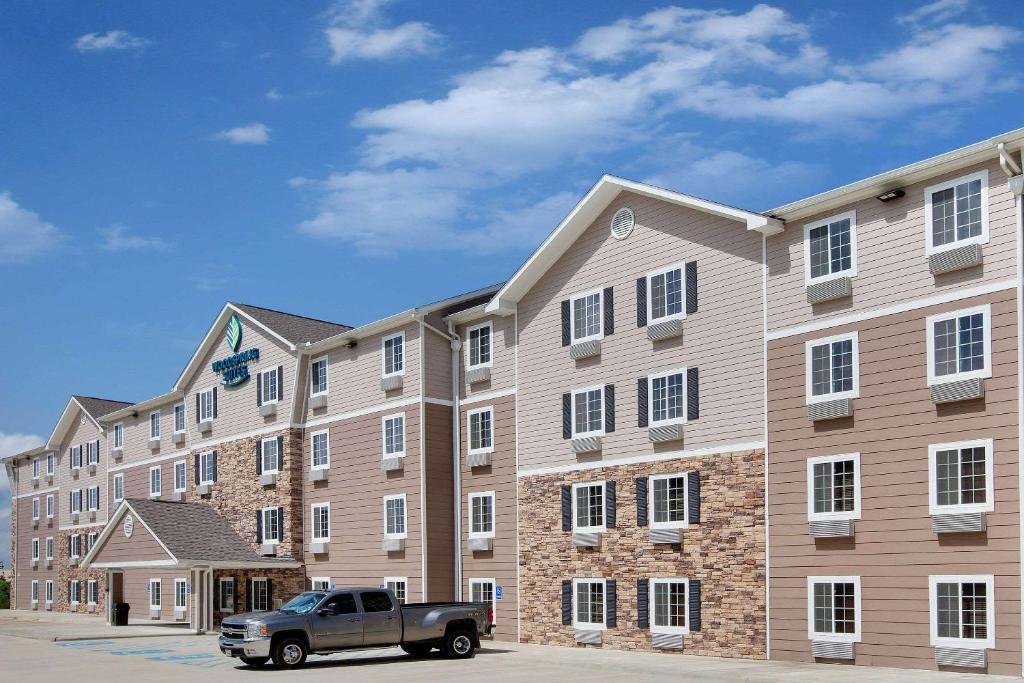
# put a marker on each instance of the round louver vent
(622, 223)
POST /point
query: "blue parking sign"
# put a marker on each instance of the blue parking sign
(498, 592)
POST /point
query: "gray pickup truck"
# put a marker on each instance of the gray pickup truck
(321, 622)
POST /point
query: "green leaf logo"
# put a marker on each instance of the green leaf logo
(233, 334)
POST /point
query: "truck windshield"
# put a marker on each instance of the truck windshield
(302, 603)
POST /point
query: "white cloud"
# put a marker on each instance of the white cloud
(937, 12)
(111, 40)
(356, 31)
(117, 238)
(274, 94)
(252, 134)
(16, 442)
(23, 234)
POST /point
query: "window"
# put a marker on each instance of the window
(206, 405)
(118, 488)
(833, 608)
(269, 391)
(321, 452)
(154, 481)
(206, 467)
(318, 377)
(668, 501)
(119, 435)
(668, 613)
(271, 532)
(482, 590)
(481, 515)
(830, 248)
(180, 476)
(226, 595)
(154, 593)
(587, 316)
(93, 452)
(956, 212)
(92, 592)
(478, 348)
(35, 549)
(260, 595)
(321, 522)
(51, 461)
(394, 516)
(49, 547)
(49, 592)
(320, 583)
(833, 487)
(74, 593)
(35, 468)
(35, 508)
(180, 592)
(665, 294)
(667, 403)
(394, 436)
(271, 459)
(90, 541)
(588, 412)
(179, 418)
(154, 425)
(94, 497)
(397, 585)
(76, 501)
(960, 477)
(588, 506)
(76, 457)
(832, 368)
(481, 430)
(394, 354)
(76, 545)
(376, 601)
(962, 611)
(35, 590)
(49, 506)
(959, 345)
(588, 608)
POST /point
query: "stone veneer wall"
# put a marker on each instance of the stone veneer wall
(65, 573)
(726, 551)
(285, 584)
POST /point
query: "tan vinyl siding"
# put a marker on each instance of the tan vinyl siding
(141, 547)
(503, 355)
(136, 434)
(894, 550)
(891, 264)
(80, 433)
(136, 593)
(723, 339)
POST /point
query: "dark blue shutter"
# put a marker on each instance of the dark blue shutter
(691, 287)
(248, 595)
(280, 453)
(641, 402)
(692, 394)
(611, 604)
(693, 498)
(234, 595)
(643, 607)
(259, 526)
(566, 507)
(197, 412)
(608, 299)
(609, 504)
(566, 416)
(609, 408)
(694, 605)
(566, 602)
(213, 456)
(641, 501)
(259, 456)
(270, 594)
(280, 524)
(566, 321)
(259, 388)
(197, 469)
(641, 302)
(215, 402)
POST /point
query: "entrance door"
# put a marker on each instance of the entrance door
(115, 592)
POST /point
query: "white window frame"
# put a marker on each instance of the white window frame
(263, 456)
(383, 355)
(159, 481)
(600, 315)
(469, 430)
(159, 593)
(266, 591)
(494, 594)
(179, 409)
(685, 628)
(590, 626)
(35, 591)
(76, 457)
(405, 516)
(76, 501)
(604, 507)
(326, 434)
(49, 548)
(823, 516)
(983, 238)
(36, 469)
(50, 506)
(482, 534)
(51, 464)
(206, 404)
(933, 489)
(220, 594)
(89, 497)
(153, 436)
(118, 432)
(92, 592)
(204, 458)
(597, 432)
(490, 344)
(650, 398)
(184, 479)
(849, 272)
(322, 538)
(650, 501)
(74, 593)
(990, 611)
(90, 540)
(984, 373)
(681, 267)
(384, 436)
(49, 592)
(324, 580)
(76, 545)
(834, 637)
(35, 549)
(390, 582)
(118, 488)
(327, 376)
(808, 368)
(263, 526)
(37, 508)
(264, 374)
(184, 594)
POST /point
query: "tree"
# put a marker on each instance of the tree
(5, 594)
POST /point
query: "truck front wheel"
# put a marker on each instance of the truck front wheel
(459, 644)
(254, 661)
(417, 649)
(290, 653)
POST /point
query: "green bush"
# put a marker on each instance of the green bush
(5, 594)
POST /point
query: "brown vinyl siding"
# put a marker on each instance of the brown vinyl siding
(141, 547)
(439, 487)
(437, 370)
(895, 549)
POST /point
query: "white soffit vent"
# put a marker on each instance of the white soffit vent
(622, 223)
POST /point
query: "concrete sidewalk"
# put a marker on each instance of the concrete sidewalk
(60, 626)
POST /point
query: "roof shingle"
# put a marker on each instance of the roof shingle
(98, 407)
(295, 328)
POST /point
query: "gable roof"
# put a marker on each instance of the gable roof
(94, 408)
(98, 407)
(295, 328)
(589, 208)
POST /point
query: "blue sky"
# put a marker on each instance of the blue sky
(349, 160)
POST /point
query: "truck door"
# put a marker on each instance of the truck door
(337, 623)
(382, 622)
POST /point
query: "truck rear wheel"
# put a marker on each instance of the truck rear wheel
(417, 649)
(290, 653)
(459, 644)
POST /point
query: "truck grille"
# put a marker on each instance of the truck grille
(233, 631)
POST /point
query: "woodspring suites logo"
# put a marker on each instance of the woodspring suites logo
(234, 370)
(233, 334)
(129, 526)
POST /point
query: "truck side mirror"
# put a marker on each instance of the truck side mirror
(326, 611)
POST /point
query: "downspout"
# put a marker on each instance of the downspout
(456, 343)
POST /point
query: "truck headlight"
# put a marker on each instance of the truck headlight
(254, 631)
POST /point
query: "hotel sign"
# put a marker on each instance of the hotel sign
(234, 370)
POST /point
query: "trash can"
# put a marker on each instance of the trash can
(121, 613)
